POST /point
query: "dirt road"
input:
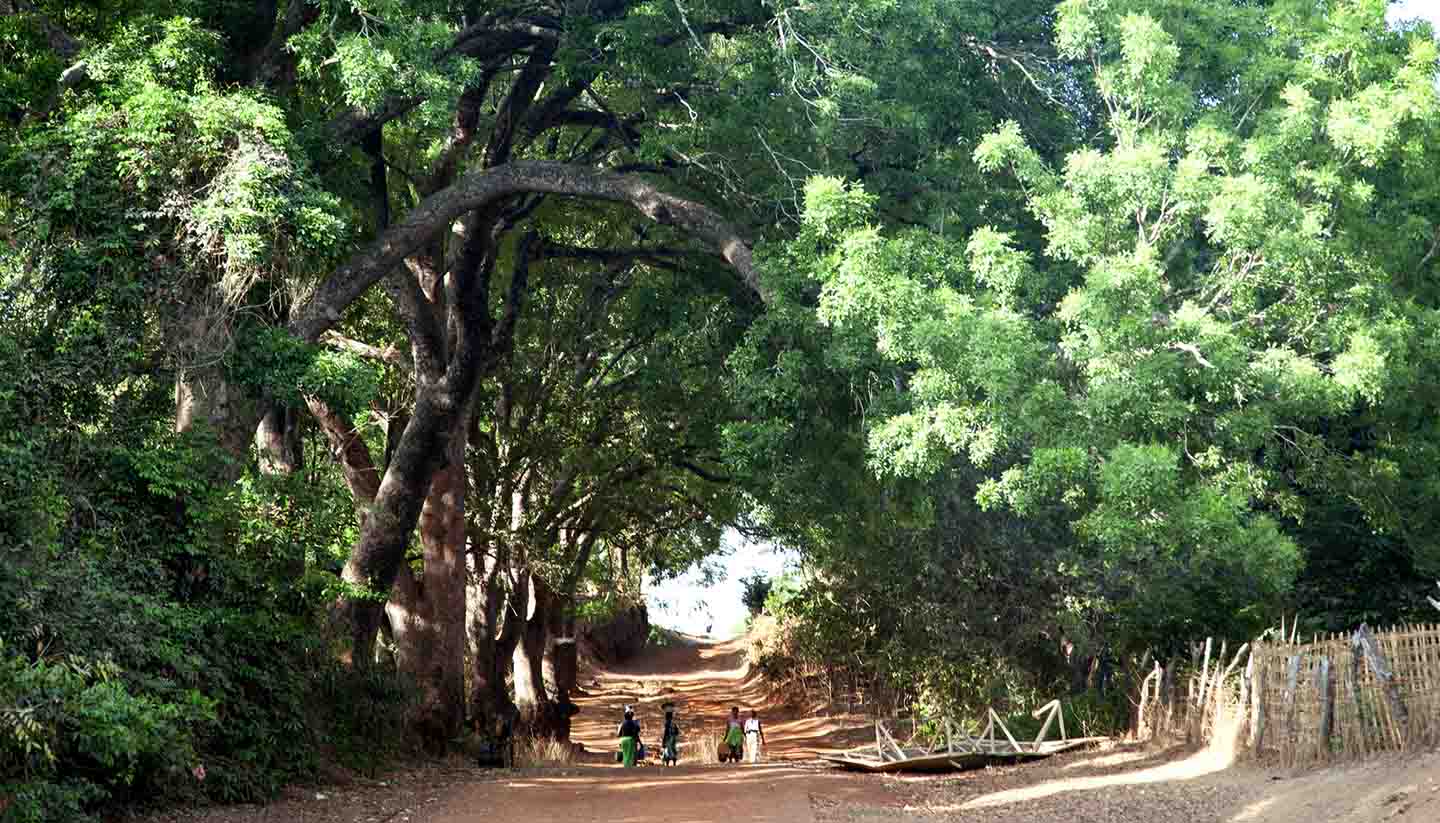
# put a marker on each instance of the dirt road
(704, 679)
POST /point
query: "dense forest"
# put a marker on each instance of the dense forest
(352, 350)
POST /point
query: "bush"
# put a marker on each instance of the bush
(72, 733)
(127, 681)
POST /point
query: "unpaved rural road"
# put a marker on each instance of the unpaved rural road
(704, 680)
(1123, 785)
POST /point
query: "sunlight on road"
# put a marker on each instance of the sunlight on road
(1197, 765)
(1218, 757)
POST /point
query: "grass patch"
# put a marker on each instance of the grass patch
(532, 752)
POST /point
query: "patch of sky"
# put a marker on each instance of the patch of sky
(706, 600)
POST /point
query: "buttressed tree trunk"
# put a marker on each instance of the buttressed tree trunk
(202, 394)
(277, 441)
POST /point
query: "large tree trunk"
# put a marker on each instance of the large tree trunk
(198, 340)
(484, 596)
(377, 556)
(277, 441)
(539, 715)
(427, 617)
(442, 535)
(559, 625)
(406, 622)
(559, 666)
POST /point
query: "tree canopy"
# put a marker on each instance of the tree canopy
(355, 348)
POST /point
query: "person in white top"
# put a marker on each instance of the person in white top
(754, 736)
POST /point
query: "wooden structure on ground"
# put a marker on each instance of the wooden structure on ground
(961, 750)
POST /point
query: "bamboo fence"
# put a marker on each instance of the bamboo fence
(1344, 696)
(1336, 697)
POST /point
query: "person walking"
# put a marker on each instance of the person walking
(754, 736)
(670, 740)
(629, 733)
(734, 736)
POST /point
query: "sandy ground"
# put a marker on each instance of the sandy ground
(1124, 784)
(1118, 785)
(703, 680)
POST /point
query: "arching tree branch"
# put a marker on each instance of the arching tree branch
(483, 188)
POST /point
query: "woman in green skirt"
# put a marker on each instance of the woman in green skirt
(734, 737)
(629, 738)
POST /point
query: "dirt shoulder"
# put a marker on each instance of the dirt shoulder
(1168, 786)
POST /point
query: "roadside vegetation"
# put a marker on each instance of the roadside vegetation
(351, 351)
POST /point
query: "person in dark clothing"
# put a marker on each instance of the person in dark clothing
(629, 739)
(670, 741)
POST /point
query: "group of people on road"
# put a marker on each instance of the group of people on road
(743, 739)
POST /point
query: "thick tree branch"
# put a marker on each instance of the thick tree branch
(267, 64)
(483, 188)
(353, 125)
(491, 37)
(496, 43)
(389, 354)
(350, 451)
(467, 119)
(702, 473)
(513, 111)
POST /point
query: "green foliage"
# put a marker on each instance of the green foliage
(1096, 348)
(273, 362)
(755, 591)
(1152, 369)
(73, 733)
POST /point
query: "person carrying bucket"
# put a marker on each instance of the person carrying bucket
(629, 738)
(670, 738)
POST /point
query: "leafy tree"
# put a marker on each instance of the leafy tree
(1170, 364)
(753, 592)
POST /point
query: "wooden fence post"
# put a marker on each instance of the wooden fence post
(1292, 677)
(1257, 701)
(1327, 705)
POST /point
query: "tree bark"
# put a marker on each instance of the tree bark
(558, 668)
(349, 450)
(445, 386)
(442, 536)
(427, 617)
(481, 189)
(277, 441)
(489, 699)
(375, 561)
(538, 713)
